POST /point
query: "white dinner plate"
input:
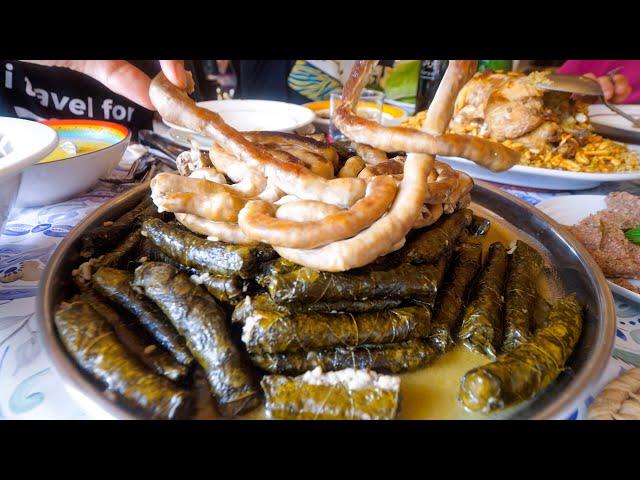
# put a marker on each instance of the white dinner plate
(545, 178)
(247, 116)
(570, 210)
(610, 124)
(251, 115)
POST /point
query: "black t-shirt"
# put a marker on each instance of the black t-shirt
(37, 92)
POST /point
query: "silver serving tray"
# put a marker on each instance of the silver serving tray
(576, 271)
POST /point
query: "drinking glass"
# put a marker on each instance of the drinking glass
(369, 106)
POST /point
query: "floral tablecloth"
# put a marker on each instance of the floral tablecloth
(29, 386)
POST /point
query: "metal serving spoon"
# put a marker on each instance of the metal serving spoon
(582, 86)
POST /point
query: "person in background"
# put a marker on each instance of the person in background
(620, 87)
(293, 81)
(112, 90)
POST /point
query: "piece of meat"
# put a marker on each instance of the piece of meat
(602, 234)
(626, 207)
(546, 133)
(509, 119)
(507, 106)
(473, 97)
(617, 256)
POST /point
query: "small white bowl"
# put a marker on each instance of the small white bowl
(53, 181)
(22, 144)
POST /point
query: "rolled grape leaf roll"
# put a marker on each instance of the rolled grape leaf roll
(197, 252)
(343, 395)
(306, 285)
(437, 241)
(481, 328)
(115, 285)
(267, 330)
(387, 358)
(452, 296)
(93, 344)
(200, 320)
(519, 374)
(525, 266)
(135, 338)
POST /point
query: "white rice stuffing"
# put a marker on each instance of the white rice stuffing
(353, 379)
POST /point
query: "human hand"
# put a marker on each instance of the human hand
(615, 88)
(122, 77)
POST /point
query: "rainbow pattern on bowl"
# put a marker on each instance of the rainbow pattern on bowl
(86, 135)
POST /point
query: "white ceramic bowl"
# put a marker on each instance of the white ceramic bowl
(54, 181)
(22, 144)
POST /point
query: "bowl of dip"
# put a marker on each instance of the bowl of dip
(86, 151)
(22, 144)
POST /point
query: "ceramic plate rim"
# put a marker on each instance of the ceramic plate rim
(564, 174)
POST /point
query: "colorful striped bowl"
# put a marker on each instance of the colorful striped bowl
(100, 146)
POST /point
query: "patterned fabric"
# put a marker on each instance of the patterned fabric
(29, 387)
(311, 82)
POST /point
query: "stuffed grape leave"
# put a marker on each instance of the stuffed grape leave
(136, 339)
(200, 320)
(267, 330)
(481, 328)
(115, 285)
(102, 238)
(243, 309)
(519, 374)
(92, 342)
(224, 288)
(119, 256)
(453, 295)
(197, 252)
(430, 245)
(306, 285)
(480, 226)
(388, 358)
(520, 294)
(345, 395)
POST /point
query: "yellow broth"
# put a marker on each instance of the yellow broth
(82, 147)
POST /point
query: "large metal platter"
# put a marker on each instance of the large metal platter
(575, 269)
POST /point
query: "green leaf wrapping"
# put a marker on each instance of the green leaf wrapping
(481, 328)
(290, 398)
(452, 295)
(199, 319)
(263, 301)
(388, 358)
(93, 344)
(115, 285)
(305, 285)
(480, 226)
(117, 257)
(525, 265)
(437, 241)
(136, 339)
(224, 288)
(269, 330)
(200, 253)
(518, 375)
(103, 237)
